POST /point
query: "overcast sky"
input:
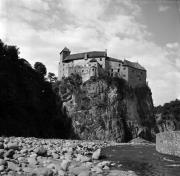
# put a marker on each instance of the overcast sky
(147, 31)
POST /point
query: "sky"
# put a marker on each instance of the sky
(144, 31)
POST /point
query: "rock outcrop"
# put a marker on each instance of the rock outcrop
(107, 109)
(168, 116)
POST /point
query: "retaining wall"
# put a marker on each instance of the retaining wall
(168, 143)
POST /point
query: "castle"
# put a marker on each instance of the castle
(97, 63)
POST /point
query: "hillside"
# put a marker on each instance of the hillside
(168, 116)
(107, 108)
(28, 105)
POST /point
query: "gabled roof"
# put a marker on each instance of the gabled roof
(91, 54)
(65, 49)
(113, 59)
(133, 65)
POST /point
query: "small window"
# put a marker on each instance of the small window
(82, 70)
(119, 65)
(112, 70)
(100, 59)
(118, 70)
(93, 69)
(124, 75)
(101, 66)
(124, 68)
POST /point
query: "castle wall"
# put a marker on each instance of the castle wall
(124, 73)
(102, 62)
(114, 68)
(136, 77)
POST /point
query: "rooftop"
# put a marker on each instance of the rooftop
(133, 64)
(91, 54)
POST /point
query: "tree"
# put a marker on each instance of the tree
(52, 77)
(40, 68)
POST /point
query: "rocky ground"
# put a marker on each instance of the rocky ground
(51, 157)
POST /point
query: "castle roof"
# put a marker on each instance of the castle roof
(65, 49)
(113, 59)
(91, 54)
(133, 65)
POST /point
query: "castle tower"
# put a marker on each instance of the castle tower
(63, 54)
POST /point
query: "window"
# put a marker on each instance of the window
(118, 70)
(124, 75)
(100, 59)
(101, 66)
(112, 70)
(93, 69)
(82, 70)
(119, 65)
(124, 68)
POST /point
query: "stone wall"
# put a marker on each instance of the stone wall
(168, 143)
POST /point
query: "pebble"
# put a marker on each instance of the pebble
(2, 168)
(96, 154)
(51, 157)
(65, 164)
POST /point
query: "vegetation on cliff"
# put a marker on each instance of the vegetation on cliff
(28, 104)
(107, 108)
(168, 116)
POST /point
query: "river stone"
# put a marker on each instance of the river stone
(96, 154)
(41, 151)
(84, 173)
(9, 153)
(2, 168)
(43, 172)
(13, 145)
(3, 162)
(1, 153)
(61, 173)
(32, 161)
(65, 164)
(96, 169)
(1, 145)
(78, 170)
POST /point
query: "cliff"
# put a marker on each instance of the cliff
(107, 108)
(168, 116)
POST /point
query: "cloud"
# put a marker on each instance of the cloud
(42, 28)
(163, 8)
(174, 45)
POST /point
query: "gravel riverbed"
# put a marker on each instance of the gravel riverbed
(51, 157)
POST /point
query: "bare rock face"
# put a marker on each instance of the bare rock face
(108, 109)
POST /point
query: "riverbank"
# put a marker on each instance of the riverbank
(48, 157)
(51, 157)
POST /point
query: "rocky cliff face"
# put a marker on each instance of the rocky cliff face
(168, 116)
(107, 109)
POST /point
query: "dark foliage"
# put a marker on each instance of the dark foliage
(28, 104)
(169, 110)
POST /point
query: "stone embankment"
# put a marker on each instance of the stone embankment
(168, 143)
(51, 157)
